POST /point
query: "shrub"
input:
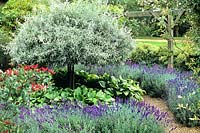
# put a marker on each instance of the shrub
(14, 11)
(16, 85)
(131, 117)
(183, 99)
(185, 59)
(80, 32)
(145, 54)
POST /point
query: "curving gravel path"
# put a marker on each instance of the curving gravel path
(157, 102)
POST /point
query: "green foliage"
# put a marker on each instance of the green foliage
(193, 7)
(60, 77)
(186, 58)
(115, 87)
(91, 96)
(145, 54)
(188, 114)
(73, 33)
(82, 94)
(118, 87)
(7, 114)
(14, 11)
(16, 85)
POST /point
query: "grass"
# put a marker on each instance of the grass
(158, 41)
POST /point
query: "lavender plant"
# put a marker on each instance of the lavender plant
(132, 116)
(178, 88)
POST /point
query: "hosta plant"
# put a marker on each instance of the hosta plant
(116, 87)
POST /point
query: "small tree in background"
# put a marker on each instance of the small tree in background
(68, 34)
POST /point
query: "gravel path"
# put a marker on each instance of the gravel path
(157, 102)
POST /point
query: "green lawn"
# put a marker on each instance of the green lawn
(158, 41)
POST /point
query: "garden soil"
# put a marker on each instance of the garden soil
(161, 104)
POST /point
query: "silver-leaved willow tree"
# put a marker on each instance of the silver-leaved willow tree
(71, 33)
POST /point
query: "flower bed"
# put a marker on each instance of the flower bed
(179, 89)
(132, 116)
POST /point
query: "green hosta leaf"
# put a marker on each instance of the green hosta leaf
(100, 93)
(95, 101)
(126, 93)
(108, 91)
(58, 98)
(49, 96)
(78, 91)
(91, 94)
(41, 100)
(84, 90)
(102, 84)
(92, 77)
(64, 94)
(118, 93)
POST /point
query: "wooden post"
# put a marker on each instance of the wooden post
(170, 41)
(170, 23)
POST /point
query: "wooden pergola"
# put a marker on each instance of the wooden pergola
(170, 23)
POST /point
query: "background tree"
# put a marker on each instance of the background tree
(68, 34)
(12, 15)
(193, 8)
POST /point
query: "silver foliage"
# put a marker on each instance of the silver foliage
(80, 32)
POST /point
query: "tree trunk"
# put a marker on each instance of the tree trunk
(170, 42)
(70, 76)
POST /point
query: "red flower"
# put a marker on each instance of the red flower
(9, 72)
(15, 72)
(7, 122)
(37, 87)
(1, 79)
(27, 68)
(38, 70)
(34, 66)
(51, 71)
(44, 69)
